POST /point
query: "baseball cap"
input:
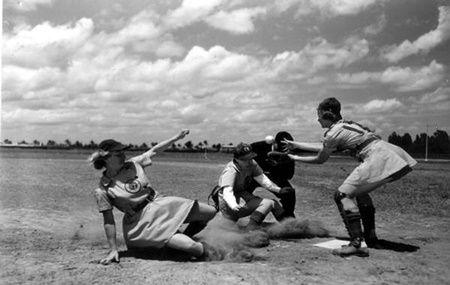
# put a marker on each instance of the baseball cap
(244, 151)
(112, 145)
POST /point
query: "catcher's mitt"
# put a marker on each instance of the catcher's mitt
(278, 156)
(286, 191)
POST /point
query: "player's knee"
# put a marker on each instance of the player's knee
(344, 202)
(210, 212)
(268, 203)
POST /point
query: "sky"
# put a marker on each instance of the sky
(228, 70)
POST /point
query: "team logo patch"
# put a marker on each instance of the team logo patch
(133, 187)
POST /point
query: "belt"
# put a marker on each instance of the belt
(144, 203)
(365, 143)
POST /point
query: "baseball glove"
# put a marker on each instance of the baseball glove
(278, 156)
(286, 191)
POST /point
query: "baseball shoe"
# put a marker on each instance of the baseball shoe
(348, 250)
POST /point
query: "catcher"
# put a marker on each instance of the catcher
(279, 171)
(234, 191)
(381, 163)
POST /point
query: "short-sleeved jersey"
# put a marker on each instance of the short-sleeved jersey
(124, 195)
(346, 135)
(237, 177)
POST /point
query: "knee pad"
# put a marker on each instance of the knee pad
(344, 202)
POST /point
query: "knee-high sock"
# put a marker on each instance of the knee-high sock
(256, 218)
(367, 211)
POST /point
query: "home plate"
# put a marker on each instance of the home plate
(335, 243)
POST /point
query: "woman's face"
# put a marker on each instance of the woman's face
(323, 122)
(115, 159)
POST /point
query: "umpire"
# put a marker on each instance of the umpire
(280, 172)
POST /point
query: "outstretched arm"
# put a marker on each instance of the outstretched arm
(145, 158)
(291, 145)
(160, 147)
(320, 158)
(110, 230)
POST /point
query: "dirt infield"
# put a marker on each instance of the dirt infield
(50, 231)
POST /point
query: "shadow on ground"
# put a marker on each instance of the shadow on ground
(390, 245)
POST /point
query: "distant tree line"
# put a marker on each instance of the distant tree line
(438, 143)
(67, 144)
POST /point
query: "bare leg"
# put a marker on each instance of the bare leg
(184, 243)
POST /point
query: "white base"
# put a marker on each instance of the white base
(335, 243)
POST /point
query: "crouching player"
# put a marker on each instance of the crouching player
(381, 163)
(235, 197)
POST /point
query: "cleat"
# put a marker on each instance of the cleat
(348, 250)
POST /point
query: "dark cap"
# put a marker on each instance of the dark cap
(280, 137)
(244, 151)
(112, 145)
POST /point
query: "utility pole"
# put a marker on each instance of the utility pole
(426, 145)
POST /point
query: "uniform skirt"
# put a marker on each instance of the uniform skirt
(157, 222)
(380, 160)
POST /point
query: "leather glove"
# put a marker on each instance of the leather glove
(279, 157)
(286, 191)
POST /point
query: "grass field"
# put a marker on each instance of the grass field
(51, 232)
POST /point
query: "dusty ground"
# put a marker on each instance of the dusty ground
(44, 244)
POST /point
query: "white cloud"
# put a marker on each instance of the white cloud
(425, 42)
(18, 80)
(382, 106)
(216, 63)
(410, 79)
(48, 117)
(327, 8)
(321, 54)
(189, 12)
(141, 27)
(404, 78)
(342, 7)
(237, 21)
(26, 5)
(441, 94)
(169, 49)
(45, 45)
(376, 27)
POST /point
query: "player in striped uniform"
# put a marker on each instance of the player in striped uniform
(381, 163)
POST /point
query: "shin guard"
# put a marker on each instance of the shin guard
(352, 221)
(367, 211)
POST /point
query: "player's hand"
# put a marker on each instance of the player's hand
(113, 256)
(288, 145)
(182, 134)
(236, 208)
